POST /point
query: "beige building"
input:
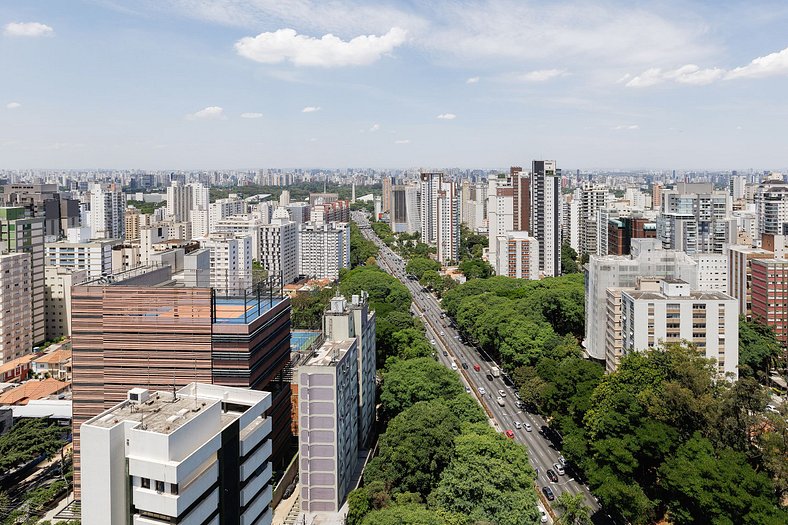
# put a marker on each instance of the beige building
(132, 220)
(740, 273)
(518, 255)
(16, 319)
(57, 304)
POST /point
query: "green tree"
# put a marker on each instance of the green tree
(403, 514)
(708, 486)
(758, 347)
(568, 259)
(308, 307)
(408, 344)
(475, 269)
(574, 510)
(432, 280)
(489, 479)
(360, 248)
(405, 383)
(417, 445)
(418, 265)
(27, 440)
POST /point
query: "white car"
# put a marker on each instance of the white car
(502, 393)
(442, 334)
(432, 341)
(542, 514)
(482, 391)
(558, 469)
(453, 365)
(467, 390)
(527, 427)
(518, 425)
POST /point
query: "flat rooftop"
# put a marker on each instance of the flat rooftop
(160, 413)
(693, 296)
(301, 340)
(330, 353)
(238, 311)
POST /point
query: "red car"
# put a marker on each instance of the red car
(510, 434)
(477, 367)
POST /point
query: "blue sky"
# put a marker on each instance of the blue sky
(199, 84)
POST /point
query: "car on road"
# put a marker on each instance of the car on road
(528, 427)
(446, 353)
(442, 334)
(517, 394)
(432, 342)
(518, 425)
(467, 390)
(482, 391)
(561, 460)
(552, 475)
(548, 493)
(558, 468)
(500, 401)
(502, 393)
(489, 377)
(542, 514)
(510, 434)
(477, 368)
(453, 365)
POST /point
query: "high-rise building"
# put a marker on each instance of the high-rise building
(670, 312)
(656, 196)
(737, 186)
(20, 233)
(545, 221)
(647, 259)
(323, 249)
(621, 231)
(404, 214)
(231, 262)
(57, 304)
(592, 198)
(131, 230)
(146, 328)
(770, 295)
(336, 389)
(740, 259)
(387, 197)
(500, 214)
(279, 247)
(521, 199)
(199, 454)
(695, 218)
(107, 212)
(179, 201)
(43, 201)
(771, 204)
(16, 316)
(95, 256)
(439, 215)
(517, 255)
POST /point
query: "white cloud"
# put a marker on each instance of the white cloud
(472, 80)
(375, 127)
(328, 51)
(624, 126)
(765, 66)
(402, 141)
(251, 115)
(209, 113)
(446, 116)
(13, 105)
(31, 29)
(310, 109)
(542, 75)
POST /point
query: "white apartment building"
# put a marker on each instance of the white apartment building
(231, 262)
(125, 257)
(500, 214)
(279, 247)
(298, 212)
(323, 249)
(771, 204)
(518, 255)
(546, 215)
(95, 256)
(343, 320)
(647, 259)
(107, 212)
(670, 312)
(196, 456)
(243, 225)
(223, 208)
(570, 221)
(712, 272)
(439, 216)
(593, 197)
(696, 219)
(328, 397)
(179, 201)
(57, 304)
(16, 312)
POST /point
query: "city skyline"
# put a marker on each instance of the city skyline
(195, 84)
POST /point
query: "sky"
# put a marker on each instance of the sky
(244, 84)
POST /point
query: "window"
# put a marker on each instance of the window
(159, 486)
(174, 488)
(145, 482)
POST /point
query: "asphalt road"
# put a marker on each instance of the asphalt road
(542, 453)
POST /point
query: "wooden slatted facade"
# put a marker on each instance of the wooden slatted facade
(158, 337)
